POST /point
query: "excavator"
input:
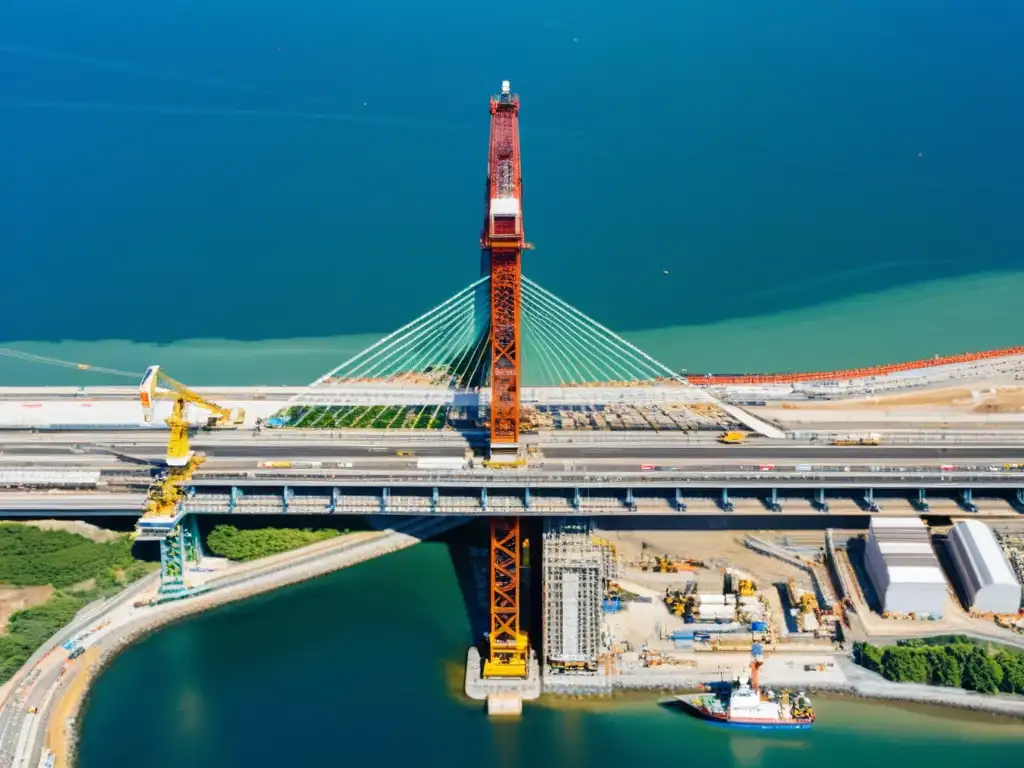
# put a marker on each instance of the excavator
(157, 385)
(165, 494)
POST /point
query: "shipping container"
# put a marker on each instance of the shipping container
(714, 598)
(759, 626)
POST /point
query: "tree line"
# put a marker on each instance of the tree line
(955, 662)
(242, 545)
(80, 571)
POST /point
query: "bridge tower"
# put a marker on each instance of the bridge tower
(502, 242)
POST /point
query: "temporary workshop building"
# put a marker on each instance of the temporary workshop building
(986, 577)
(903, 567)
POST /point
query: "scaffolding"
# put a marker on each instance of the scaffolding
(574, 583)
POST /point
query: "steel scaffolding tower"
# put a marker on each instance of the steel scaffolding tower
(574, 576)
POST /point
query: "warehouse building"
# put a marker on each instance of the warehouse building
(903, 567)
(986, 577)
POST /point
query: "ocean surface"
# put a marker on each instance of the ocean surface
(335, 673)
(246, 191)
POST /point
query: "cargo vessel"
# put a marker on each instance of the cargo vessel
(744, 704)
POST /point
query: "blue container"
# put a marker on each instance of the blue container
(688, 618)
(758, 626)
(611, 606)
(757, 649)
(682, 634)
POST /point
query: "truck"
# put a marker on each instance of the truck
(441, 462)
(865, 439)
(733, 438)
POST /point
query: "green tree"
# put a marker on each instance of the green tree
(228, 541)
(905, 665)
(944, 669)
(1013, 671)
(982, 673)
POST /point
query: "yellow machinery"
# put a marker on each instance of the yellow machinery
(871, 439)
(805, 601)
(746, 588)
(733, 438)
(179, 454)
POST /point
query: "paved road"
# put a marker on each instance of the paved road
(796, 452)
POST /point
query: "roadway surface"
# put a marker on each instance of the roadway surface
(791, 451)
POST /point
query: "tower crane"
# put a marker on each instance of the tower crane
(157, 385)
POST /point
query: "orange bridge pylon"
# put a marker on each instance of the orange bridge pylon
(503, 243)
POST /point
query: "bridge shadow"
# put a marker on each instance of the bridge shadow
(469, 549)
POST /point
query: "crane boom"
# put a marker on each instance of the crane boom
(179, 452)
(150, 392)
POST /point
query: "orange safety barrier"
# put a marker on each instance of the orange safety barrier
(708, 380)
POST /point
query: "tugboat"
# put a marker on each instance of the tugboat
(744, 704)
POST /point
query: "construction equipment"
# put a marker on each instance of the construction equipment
(870, 439)
(746, 588)
(733, 438)
(179, 454)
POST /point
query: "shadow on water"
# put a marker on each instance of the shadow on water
(468, 547)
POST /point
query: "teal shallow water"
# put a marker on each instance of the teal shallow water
(333, 672)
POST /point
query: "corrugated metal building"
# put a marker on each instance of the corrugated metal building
(987, 579)
(903, 567)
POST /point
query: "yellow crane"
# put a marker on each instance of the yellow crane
(157, 385)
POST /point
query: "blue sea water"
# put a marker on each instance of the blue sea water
(260, 170)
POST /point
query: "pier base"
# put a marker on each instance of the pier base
(483, 690)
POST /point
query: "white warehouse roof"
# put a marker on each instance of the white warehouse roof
(903, 567)
(989, 583)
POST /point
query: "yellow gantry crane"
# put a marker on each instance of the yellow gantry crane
(157, 385)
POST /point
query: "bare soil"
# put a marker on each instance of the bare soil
(14, 599)
(89, 531)
(1000, 399)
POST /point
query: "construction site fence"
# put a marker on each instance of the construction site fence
(707, 380)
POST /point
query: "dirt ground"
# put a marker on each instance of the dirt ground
(718, 549)
(87, 530)
(999, 399)
(14, 599)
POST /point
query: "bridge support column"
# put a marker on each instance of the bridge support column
(1020, 497)
(680, 506)
(527, 501)
(193, 543)
(630, 500)
(286, 497)
(772, 502)
(236, 495)
(922, 501)
(576, 502)
(435, 499)
(869, 500)
(508, 645)
(483, 499)
(172, 562)
(333, 506)
(385, 499)
(724, 502)
(819, 500)
(967, 500)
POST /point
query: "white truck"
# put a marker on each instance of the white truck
(441, 462)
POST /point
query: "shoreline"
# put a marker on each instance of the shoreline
(73, 693)
(72, 701)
